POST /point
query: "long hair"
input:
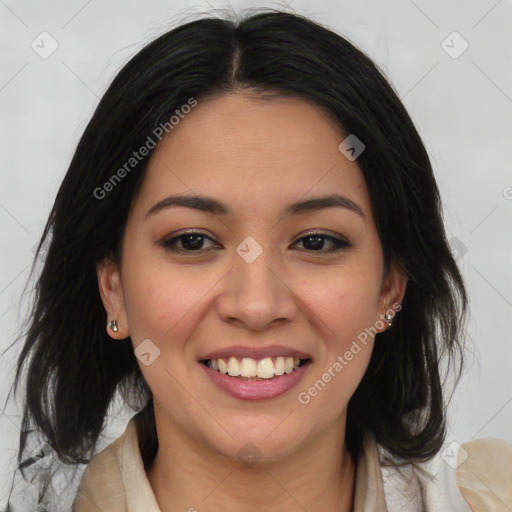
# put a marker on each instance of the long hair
(74, 369)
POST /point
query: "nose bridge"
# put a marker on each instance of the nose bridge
(256, 294)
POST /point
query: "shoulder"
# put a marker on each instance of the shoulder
(484, 474)
(101, 487)
(473, 477)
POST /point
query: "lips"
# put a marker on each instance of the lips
(261, 389)
(268, 385)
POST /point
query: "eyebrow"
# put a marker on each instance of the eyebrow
(210, 205)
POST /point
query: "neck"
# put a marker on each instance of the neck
(317, 477)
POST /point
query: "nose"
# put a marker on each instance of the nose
(257, 294)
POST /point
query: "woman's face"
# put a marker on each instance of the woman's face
(257, 274)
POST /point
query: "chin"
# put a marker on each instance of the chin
(250, 445)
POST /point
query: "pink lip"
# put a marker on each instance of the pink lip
(257, 389)
(255, 353)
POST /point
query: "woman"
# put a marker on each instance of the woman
(248, 243)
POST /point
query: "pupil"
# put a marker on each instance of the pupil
(188, 240)
(319, 241)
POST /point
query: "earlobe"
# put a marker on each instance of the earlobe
(392, 294)
(111, 292)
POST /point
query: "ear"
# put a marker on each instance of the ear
(111, 291)
(391, 295)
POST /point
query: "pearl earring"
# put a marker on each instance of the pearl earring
(113, 325)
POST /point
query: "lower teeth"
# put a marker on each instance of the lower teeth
(253, 378)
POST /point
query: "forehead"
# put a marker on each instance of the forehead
(254, 155)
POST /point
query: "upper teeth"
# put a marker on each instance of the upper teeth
(247, 367)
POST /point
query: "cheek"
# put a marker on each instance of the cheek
(160, 303)
(163, 307)
(345, 315)
(346, 302)
(345, 308)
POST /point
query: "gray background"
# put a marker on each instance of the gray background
(460, 101)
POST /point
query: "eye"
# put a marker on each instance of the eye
(315, 242)
(191, 242)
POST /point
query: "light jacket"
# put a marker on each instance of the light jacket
(474, 477)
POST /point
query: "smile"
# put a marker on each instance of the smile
(252, 369)
(255, 387)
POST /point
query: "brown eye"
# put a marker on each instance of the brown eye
(190, 242)
(315, 242)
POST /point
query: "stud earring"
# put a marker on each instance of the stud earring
(388, 318)
(113, 325)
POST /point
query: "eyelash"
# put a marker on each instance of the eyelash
(339, 244)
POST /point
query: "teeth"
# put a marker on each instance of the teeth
(279, 366)
(265, 368)
(223, 367)
(233, 367)
(247, 367)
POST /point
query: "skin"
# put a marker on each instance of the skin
(256, 156)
